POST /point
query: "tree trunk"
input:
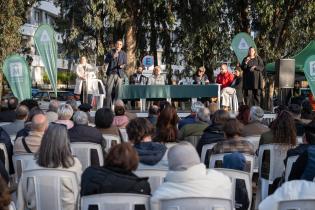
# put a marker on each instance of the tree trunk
(131, 43)
(1, 88)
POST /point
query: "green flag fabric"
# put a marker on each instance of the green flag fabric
(17, 74)
(46, 45)
(240, 44)
(309, 71)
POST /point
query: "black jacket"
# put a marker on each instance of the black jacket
(142, 79)
(5, 139)
(237, 84)
(97, 180)
(115, 63)
(150, 153)
(7, 116)
(253, 79)
(85, 133)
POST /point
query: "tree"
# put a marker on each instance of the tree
(12, 16)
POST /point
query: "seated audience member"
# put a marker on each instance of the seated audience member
(27, 124)
(104, 122)
(82, 132)
(187, 177)
(293, 190)
(140, 132)
(234, 142)
(54, 152)
(5, 196)
(307, 109)
(308, 139)
(73, 104)
(196, 129)
(65, 113)
(192, 117)
(51, 113)
(9, 114)
(243, 114)
(214, 132)
(295, 110)
(127, 113)
(166, 126)
(237, 161)
(282, 131)
(225, 78)
(156, 78)
(5, 139)
(18, 124)
(153, 114)
(254, 126)
(32, 142)
(120, 119)
(30, 103)
(86, 108)
(200, 77)
(116, 175)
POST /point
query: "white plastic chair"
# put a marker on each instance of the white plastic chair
(278, 153)
(303, 204)
(235, 174)
(289, 165)
(193, 140)
(82, 151)
(205, 149)
(3, 148)
(196, 203)
(20, 162)
(47, 184)
(98, 94)
(12, 206)
(123, 134)
(115, 201)
(12, 137)
(219, 157)
(156, 176)
(255, 141)
(111, 140)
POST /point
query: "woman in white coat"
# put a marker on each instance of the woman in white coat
(84, 82)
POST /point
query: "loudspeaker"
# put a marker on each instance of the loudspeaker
(285, 69)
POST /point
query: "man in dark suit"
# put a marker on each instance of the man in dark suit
(117, 61)
(138, 78)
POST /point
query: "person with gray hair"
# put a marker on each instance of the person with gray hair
(21, 116)
(31, 143)
(73, 104)
(82, 132)
(255, 126)
(196, 129)
(187, 177)
(65, 113)
(192, 117)
(51, 113)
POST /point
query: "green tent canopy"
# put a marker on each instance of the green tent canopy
(300, 58)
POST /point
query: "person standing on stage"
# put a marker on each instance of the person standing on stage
(117, 61)
(253, 75)
(200, 77)
(156, 78)
(85, 73)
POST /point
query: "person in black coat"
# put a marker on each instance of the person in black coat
(253, 77)
(82, 132)
(9, 114)
(138, 78)
(116, 175)
(237, 84)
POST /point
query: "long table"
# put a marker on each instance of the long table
(168, 92)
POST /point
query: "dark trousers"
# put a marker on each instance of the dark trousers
(252, 97)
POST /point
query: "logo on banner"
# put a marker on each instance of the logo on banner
(312, 68)
(16, 70)
(243, 45)
(44, 37)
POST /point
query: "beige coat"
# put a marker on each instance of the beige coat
(88, 74)
(67, 197)
(33, 141)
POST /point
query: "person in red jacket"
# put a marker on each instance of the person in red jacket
(225, 78)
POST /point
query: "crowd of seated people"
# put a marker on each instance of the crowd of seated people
(159, 142)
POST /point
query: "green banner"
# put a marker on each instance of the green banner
(46, 45)
(17, 74)
(309, 71)
(240, 44)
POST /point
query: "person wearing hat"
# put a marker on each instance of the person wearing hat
(187, 177)
(255, 126)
